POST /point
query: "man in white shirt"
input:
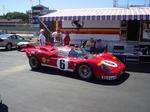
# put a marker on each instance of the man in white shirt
(57, 36)
(42, 38)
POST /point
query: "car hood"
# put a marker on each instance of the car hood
(108, 60)
(3, 38)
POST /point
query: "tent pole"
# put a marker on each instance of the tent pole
(45, 26)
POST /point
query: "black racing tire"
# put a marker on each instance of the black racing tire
(34, 63)
(9, 46)
(85, 72)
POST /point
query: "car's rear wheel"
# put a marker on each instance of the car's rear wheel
(85, 72)
(9, 46)
(34, 63)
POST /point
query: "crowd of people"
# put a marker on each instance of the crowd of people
(59, 39)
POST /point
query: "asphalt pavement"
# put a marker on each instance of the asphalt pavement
(50, 90)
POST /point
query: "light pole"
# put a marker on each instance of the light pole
(115, 3)
(3, 9)
(127, 3)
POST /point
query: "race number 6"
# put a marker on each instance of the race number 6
(62, 64)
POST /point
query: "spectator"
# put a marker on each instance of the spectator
(41, 38)
(90, 45)
(66, 39)
(57, 37)
(100, 46)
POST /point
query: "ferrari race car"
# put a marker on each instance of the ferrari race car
(69, 58)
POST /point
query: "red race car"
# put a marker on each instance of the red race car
(69, 58)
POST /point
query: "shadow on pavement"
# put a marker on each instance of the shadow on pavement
(52, 71)
(135, 67)
(5, 50)
(119, 81)
(3, 108)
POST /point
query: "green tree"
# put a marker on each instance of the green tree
(17, 15)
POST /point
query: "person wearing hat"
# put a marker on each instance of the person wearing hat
(42, 38)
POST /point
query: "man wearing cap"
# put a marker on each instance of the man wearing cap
(42, 38)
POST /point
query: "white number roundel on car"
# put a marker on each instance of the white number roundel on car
(62, 64)
(109, 63)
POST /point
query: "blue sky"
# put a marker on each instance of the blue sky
(23, 5)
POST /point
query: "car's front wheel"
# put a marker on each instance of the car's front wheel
(34, 63)
(9, 46)
(85, 72)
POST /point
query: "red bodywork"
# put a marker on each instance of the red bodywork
(104, 65)
(25, 46)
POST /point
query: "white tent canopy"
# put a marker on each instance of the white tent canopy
(131, 13)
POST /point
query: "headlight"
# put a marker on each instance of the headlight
(105, 68)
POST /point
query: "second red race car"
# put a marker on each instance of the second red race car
(68, 58)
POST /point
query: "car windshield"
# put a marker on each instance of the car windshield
(74, 52)
(19, 37)
(79, 52)
(63, 51)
